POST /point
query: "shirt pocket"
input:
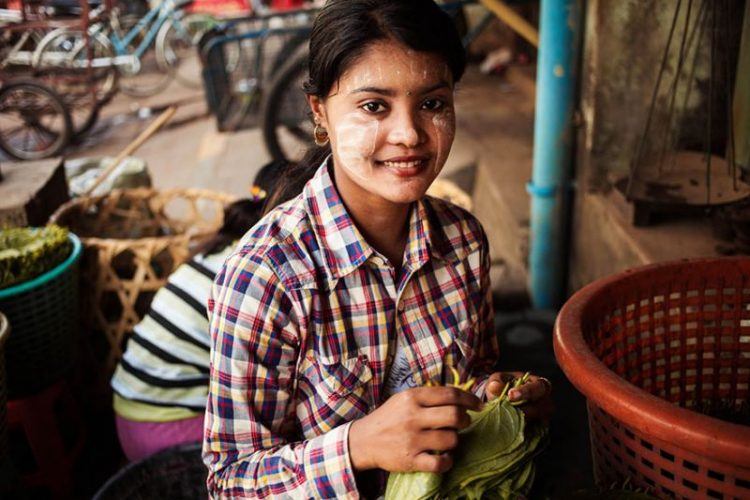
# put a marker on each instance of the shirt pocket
(340, 390)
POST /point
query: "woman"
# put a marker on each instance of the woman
(161, 382)
(345, 300)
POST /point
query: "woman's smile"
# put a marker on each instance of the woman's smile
(391, 123)
(405, 166)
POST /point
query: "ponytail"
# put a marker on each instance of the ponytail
(296, 175)
(239, 217)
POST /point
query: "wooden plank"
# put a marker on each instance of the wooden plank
(31, 191)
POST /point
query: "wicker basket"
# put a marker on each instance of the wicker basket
(133, 239)
(176, 472)
(655, 350)
(43, 313)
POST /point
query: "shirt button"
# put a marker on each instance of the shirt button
(401, 307)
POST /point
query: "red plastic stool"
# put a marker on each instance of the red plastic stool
(47, 434)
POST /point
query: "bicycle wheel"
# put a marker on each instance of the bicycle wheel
(78, 95)
(291, 45)
(65, 49)
(287, 128)
(61, 62)
(34, 122)
(177, 47)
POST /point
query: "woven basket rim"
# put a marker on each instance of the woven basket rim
(221, 196)
(142, 191)
(49, 275)
(722, 441)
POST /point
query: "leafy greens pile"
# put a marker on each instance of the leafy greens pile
(27, 252)
(493, 458)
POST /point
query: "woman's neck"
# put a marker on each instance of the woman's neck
(384, 224)
(387, 231)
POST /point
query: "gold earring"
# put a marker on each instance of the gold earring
(321, 135)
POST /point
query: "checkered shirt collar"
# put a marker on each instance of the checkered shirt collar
(344, 247)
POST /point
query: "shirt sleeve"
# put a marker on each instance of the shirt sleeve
(254, 354)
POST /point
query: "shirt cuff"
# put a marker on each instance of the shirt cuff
(328, 462)
(480, 385)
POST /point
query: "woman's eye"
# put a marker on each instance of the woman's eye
(433, 104)
(373, 107)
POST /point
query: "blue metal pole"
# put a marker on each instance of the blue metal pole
(559, 23)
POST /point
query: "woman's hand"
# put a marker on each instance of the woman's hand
(403, 434)
(536, 393)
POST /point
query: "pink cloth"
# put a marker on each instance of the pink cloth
(140, 439)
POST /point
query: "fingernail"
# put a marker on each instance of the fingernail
(514, 395)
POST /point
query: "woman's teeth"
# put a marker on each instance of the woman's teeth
(403, 164)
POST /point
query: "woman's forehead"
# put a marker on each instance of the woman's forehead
(391, 65)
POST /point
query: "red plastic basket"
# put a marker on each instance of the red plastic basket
(648, 348)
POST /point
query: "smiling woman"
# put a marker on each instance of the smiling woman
(347, 298)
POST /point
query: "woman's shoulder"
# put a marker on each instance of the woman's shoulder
(451, 217)
(283, 243)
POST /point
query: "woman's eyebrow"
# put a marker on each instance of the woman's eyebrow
(390, 92)
(373, 90)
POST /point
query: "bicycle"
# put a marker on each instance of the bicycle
(238, 65)
(146, 52)
(34, 121)
(23, 31)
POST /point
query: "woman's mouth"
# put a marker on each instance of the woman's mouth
(405, 167)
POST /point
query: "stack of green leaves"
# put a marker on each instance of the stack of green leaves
(27, 252)
(494, 457)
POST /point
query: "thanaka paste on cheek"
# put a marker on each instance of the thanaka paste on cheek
(356, 140)
(445, 128)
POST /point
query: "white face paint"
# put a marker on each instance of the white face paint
(391, 123)
(355, 142)
(445, 129)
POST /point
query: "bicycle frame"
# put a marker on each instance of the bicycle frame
(154, 19)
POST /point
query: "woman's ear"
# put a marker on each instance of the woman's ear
(318, 108)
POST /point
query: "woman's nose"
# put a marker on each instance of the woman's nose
(405, 130)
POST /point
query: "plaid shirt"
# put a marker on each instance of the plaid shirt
(304, 320)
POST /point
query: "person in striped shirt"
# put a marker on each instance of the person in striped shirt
(161, 383)
(346, 299)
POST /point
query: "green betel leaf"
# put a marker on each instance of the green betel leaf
(490, 445)
(412, 485)
(494, 458)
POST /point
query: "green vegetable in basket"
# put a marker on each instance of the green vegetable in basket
(27, 252)
(492, 460)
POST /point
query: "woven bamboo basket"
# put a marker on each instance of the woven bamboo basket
(133, 239)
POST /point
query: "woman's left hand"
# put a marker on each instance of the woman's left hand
(536, 393)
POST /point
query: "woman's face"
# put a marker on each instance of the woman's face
(391, 123)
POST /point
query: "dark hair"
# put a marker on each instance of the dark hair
(269, 174)
(239, 216)
(343, 30)
(243, 214)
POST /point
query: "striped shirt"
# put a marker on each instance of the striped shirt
(163, 374)
(303, 318)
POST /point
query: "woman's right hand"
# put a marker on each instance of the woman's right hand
(403, 434)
